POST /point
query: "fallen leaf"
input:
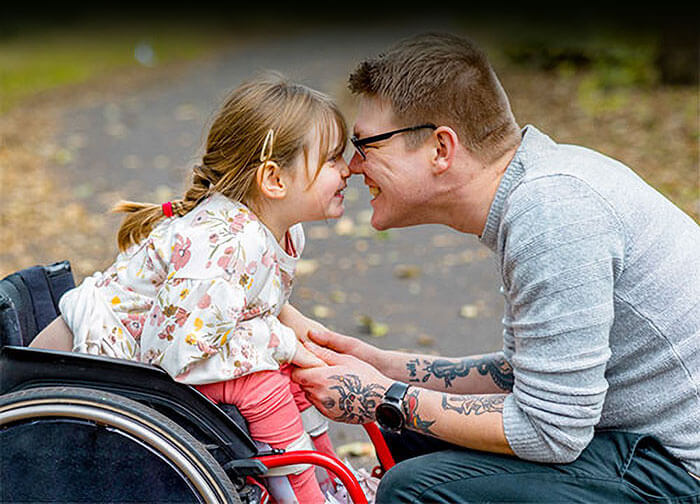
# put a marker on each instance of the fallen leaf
(469, 311)
(355, 449)
(361, 245)
(318, 232)
(407, 271)
(344, 226)
(306, 267)
(426, 340)
(63, 156)
(372, 327)
(382, 235)
(379, 330)
(322, 312)
(338, 296)
(374, 259)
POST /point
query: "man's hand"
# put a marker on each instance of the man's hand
(347, 345)
(346, 390)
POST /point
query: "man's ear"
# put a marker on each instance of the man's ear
(271, 183)
(446, 142)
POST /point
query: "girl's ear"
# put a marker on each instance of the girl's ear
(271, 183)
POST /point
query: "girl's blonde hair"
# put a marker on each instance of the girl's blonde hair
(265, 119)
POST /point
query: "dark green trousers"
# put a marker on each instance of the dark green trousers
(615, 467)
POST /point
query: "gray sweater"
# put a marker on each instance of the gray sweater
(601, 278)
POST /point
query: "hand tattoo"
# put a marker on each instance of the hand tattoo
(478, 404)
(494, 365)
(357, 402)
(410, 409)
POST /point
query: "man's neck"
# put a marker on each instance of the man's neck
(471, 201)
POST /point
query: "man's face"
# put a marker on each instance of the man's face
(398, 178)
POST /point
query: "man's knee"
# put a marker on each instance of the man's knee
(456, 476)
(396, 485)
(428, 479)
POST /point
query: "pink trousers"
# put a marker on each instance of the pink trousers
(271, 404)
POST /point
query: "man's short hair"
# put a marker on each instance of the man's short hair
(447, 80)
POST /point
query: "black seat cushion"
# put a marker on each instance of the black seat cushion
(29, 301)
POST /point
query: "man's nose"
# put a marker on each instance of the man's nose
(355, 164)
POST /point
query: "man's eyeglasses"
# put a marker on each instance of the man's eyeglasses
(360, 143)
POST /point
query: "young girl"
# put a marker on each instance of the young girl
(200, 282)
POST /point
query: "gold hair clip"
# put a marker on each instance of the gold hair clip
(266, 152)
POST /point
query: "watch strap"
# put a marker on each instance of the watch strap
(396, 391)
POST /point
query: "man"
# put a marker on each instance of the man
(595, 396)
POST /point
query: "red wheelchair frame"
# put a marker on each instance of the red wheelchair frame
(386, 462)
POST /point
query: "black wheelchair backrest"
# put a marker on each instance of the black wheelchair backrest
(29, 301)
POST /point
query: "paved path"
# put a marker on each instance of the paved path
(429, 288)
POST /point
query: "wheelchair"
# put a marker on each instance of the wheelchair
(82, 428)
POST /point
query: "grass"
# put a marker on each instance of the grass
(31, 64)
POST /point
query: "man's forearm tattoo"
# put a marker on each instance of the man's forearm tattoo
(442, 369)
(356, 401)
(410, 409)
(477, 405)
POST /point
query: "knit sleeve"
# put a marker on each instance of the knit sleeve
(562, 249)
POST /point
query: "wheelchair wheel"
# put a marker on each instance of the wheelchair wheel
(63, 444)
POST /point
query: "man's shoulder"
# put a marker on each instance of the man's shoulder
(553, 194)
(557, 211)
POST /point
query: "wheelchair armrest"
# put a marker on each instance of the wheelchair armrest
(22, 368)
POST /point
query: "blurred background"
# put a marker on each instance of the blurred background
(99, 104)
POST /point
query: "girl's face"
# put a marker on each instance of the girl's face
(322, 198)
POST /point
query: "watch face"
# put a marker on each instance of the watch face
(389, 416)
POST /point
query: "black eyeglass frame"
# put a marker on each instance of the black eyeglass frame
(359, 143)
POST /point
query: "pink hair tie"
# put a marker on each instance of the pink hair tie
(168, 209)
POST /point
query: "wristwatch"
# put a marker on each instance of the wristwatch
(389, 412)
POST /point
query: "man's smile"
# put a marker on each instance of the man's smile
(374, 190)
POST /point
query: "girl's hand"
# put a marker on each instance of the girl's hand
(303, 358)
(301, 325)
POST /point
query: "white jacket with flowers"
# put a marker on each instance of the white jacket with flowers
(198, 297)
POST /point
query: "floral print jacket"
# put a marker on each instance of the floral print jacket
(198, 297)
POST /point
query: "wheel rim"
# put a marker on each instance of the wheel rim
(135, 426)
